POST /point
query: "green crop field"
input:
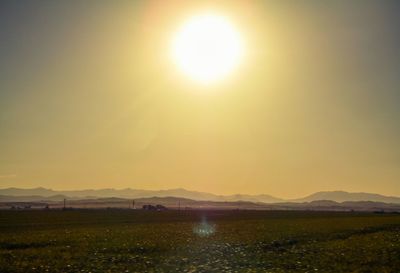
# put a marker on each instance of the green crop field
(198, 241)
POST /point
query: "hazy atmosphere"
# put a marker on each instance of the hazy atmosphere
(91, 97)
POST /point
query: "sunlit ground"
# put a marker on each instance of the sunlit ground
(241, 241)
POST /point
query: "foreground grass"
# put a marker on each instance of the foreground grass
(243, 241)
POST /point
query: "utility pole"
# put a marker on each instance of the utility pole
(133, 204)
(65, 200)
(179, 205)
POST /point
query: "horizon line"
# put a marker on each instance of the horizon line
(180, 188)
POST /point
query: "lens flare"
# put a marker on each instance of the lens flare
(204, 229)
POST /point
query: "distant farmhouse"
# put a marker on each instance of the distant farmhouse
(155, 208)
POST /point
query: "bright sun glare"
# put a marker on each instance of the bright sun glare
(207, 48)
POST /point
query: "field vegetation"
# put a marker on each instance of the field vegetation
(198, 241)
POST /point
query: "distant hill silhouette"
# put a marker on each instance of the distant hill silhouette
(342, 196)
(38, 194)
(133, 193)
(22, 202)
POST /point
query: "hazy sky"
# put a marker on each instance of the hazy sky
(90, 99)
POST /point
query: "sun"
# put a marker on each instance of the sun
(207, 48)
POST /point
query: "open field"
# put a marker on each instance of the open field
(198, 241)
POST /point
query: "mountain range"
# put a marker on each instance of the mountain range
(38, 194)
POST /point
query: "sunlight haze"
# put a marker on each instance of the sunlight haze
(207, 48)
(287, 102)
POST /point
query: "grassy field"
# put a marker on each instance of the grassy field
(198, 241)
